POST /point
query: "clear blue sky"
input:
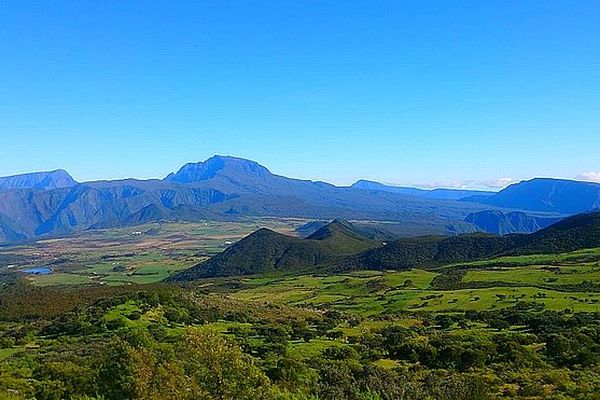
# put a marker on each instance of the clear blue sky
(427, 92)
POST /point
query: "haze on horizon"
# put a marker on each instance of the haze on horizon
(475, 95)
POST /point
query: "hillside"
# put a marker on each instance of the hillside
(266, 251)
(574, 233)
(547, 195)
(429, 251)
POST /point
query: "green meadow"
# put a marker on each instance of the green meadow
(550, 281)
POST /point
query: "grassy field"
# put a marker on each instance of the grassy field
(572, 258)
(141, 254)
(538, 275)
(543, 279)
(386, 293)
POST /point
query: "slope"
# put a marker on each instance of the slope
(265, 251)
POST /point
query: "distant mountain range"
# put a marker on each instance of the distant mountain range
(339, 246)
(228, 188)
(220, 188)
(444, 194)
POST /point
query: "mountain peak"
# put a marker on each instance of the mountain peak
(337, 226)
(45, 180)
(216, 165)
(342, 236)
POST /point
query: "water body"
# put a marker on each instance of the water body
(38, 271)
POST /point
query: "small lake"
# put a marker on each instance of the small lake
(38, 271)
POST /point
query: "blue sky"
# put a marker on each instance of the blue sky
(426, 92)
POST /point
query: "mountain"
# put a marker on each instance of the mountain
(337, 247)
(235, 168)
(223, 188)
(548, 195)
(443, 194)
(343, 238)
(381, 231)
(266, 251)
(496, 221)
(38, 180)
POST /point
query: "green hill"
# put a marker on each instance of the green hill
(429, 251)
(343, 238)
(266, 251)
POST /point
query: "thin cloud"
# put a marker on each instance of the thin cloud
(498, 183)
(471, 184)
(593, 176)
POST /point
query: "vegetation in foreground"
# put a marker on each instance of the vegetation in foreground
(468, 331)
(163, 342)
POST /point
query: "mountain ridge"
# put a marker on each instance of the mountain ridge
(221, 188)
(42, 180)
(439, 193)
(225, 187)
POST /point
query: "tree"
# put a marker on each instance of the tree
(217, 366)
